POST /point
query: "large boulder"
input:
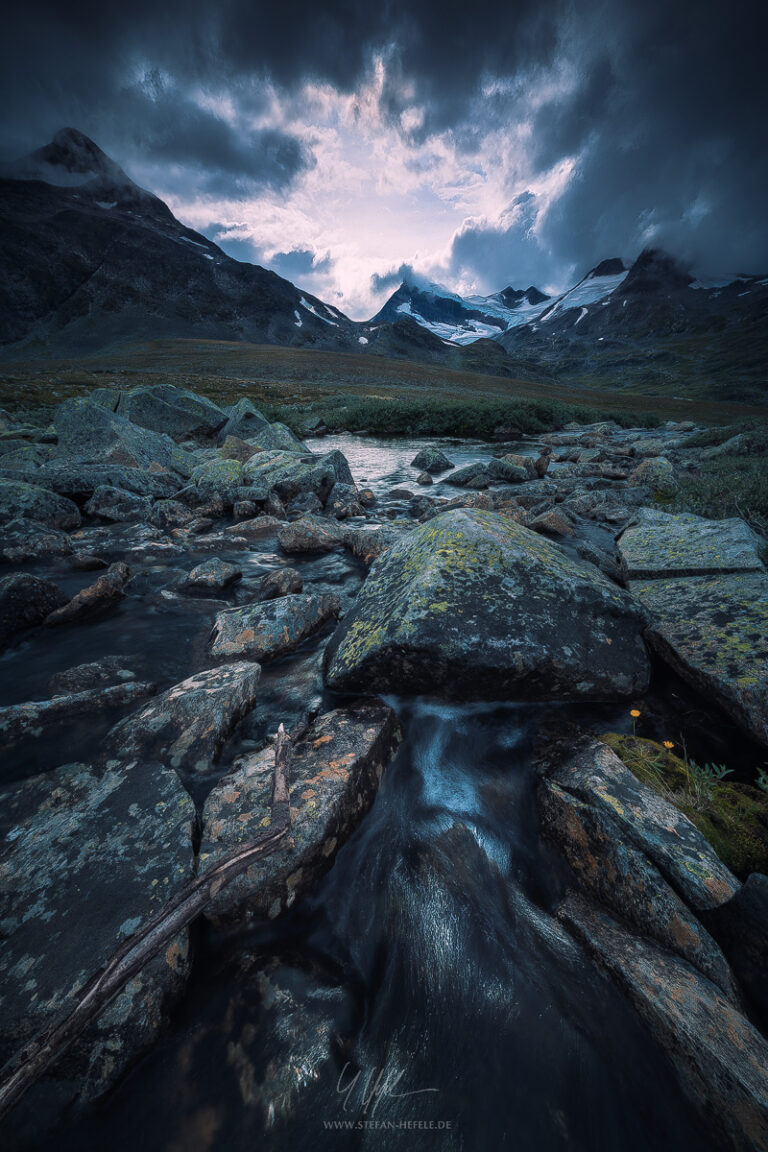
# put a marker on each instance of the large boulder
(36, 717)
(655, 473)
(85, 858)
(474, 605)
(26, 600)
(187, 725)
(713, 630)
(278, 437)
(471, 476)
(80, 480)
(721, 1060)
(165, 408)
(625, 810)
(273, 628)
(218, 478)
(333, 777)
(38, 504)
(89, 432)
(117, 505)
(290, 474)
(310, 534)
(664, 545)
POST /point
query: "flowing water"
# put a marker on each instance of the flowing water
(424, 996)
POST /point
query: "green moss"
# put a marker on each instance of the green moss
(733, 817)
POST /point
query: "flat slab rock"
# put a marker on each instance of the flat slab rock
(720, 1058)
(475, 605)
(84, 859)
(662, 544)
(264, 631)
(333, 778)
(186, 726)
(591, 772)
(713, 630)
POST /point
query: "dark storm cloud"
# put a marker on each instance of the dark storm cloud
(662, 104)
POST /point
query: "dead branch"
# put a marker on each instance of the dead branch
(31, 1062)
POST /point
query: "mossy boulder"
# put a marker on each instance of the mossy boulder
(474, 605)
(655, 473)
(290, 474)
(663, 545)
(733, 817)
(432, 460)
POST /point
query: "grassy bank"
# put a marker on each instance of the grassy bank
(735, 481)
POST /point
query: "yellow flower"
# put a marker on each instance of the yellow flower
(634, 712)
(668, 744)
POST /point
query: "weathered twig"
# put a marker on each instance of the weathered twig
(31, 1062)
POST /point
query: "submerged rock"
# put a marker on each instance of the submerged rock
(666, 545)
(84, 860)
(720, 1058)
(97, 674)
(475, 605)
(274, 628)
(333, 777)
(713, 630)
(24, 540)
(187, 725)
(26, 600)
(38, 504)
(281, 582)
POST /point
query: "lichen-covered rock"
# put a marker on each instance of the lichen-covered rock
(310, 534)
(713, 630)
(186, 726)
(273, 628)
(305, 502)
(472, 476)
(84, 860)
(666, 545)
(424, 479)
(24, 540)
(79, 481)
(218, 477)
(233, 448)
(26, 600)
(288, 474)
(552, 521)
(720, 1058)
(281, 582)
(96, 674)
(115, 504)
(474, 605)
(432, 460)
(367, 544)
(256, 529)
(278, 437)
(333, 777)
(343, 502)
(89, 432)
(243, 420)
(165, 408)
(504, 469)
(95, 599)
(35, 717)
(168, 514)
(39, 504)
(213, 574)
(655, 473)
(589, 771)
(616, 873)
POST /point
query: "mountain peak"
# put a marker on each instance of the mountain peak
(71, 159)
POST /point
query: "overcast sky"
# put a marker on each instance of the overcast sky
(478, 144)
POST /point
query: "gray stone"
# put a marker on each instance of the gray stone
(243, 420)
(473, 476)
(713, 630)
(187, 725)
(165, 408)
(432, 460)
(95, 599)
(25, 600)
(475, 605)
(281, 582)
(39, 504)
(36, 717)
(273, 628)
(213, 574)
(115, 505)
(90, 433)
(334, 775)
(97, 674)
(84, 860)
(24, 540)
(663, 544)
(310, 534)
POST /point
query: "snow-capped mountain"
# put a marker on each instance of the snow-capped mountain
(462, 320)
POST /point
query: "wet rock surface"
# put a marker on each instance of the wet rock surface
(265, 631)
(335, 771)
(26, 600)
(84, 859)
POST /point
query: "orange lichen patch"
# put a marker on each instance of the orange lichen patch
(176, 955)
(308, 793)
(322, 740)
(348, 758)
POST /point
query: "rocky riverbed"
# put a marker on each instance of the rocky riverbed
(518, 892)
